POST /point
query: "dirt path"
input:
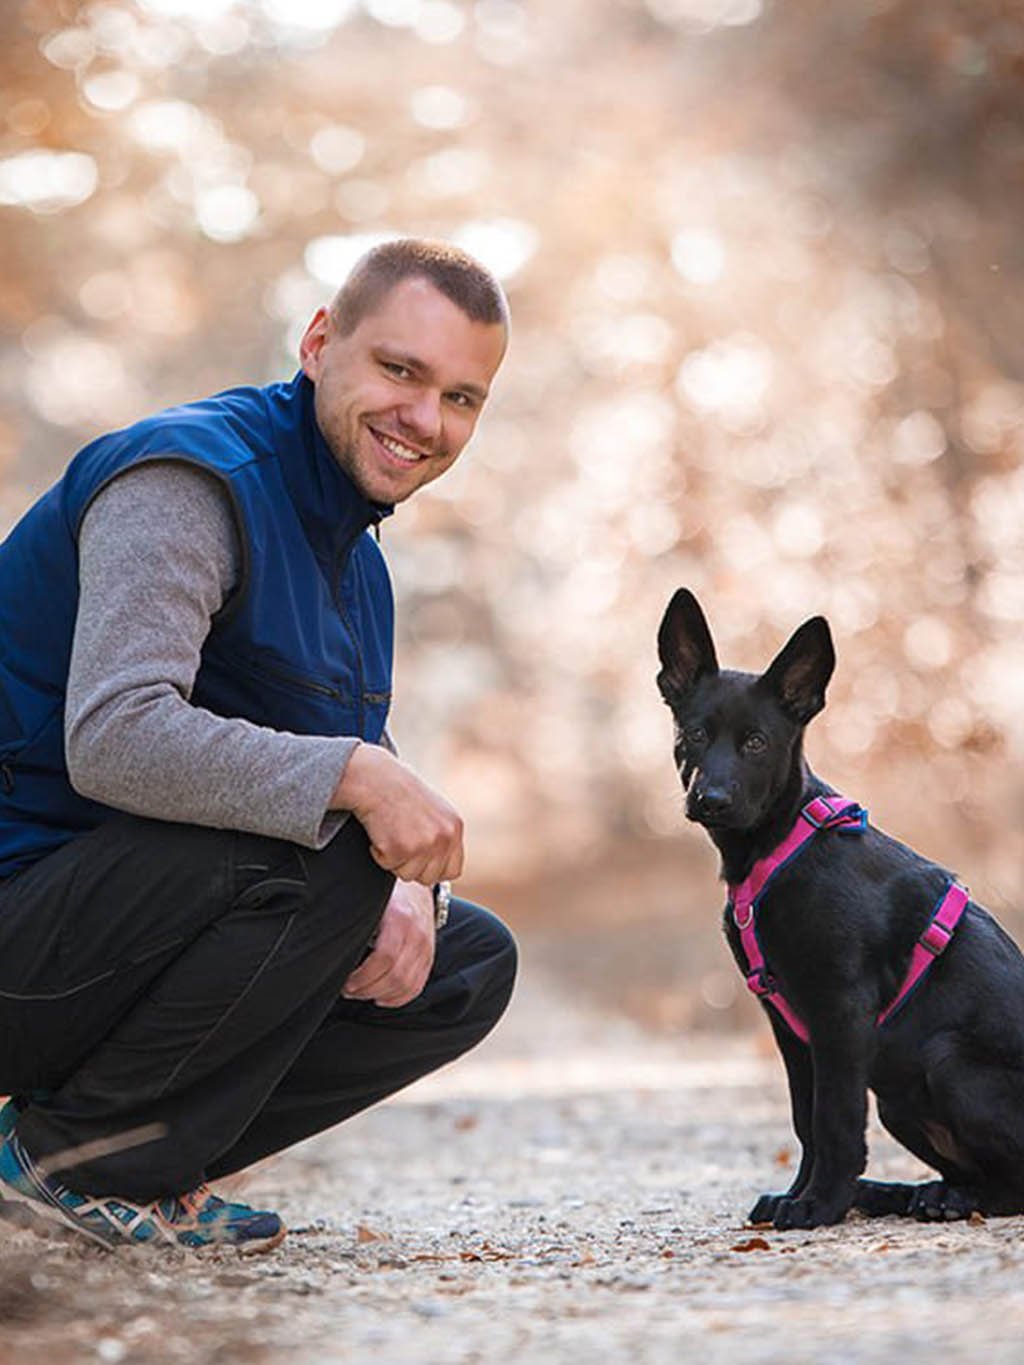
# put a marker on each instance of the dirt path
(571, 1192)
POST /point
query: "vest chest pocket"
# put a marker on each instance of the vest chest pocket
(273, 694)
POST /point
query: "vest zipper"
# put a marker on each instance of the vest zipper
(294, 680)
(6, 778)
(339, 602)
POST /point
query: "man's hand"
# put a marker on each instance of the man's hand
(413, 831)
(398, 966)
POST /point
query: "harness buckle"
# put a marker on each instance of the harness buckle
(824, 812)
(936, 938)
(761, 983)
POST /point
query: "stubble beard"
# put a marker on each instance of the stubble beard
(347, 457)
(345, 453)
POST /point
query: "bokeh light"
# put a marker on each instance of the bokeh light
(766, 342)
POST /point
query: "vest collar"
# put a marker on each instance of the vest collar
(331, 508)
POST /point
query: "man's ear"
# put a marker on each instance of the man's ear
(799, 673)
(685, 647)
(312, 343)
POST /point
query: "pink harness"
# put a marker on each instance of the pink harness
(829, 812)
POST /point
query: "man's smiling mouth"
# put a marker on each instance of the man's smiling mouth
(398, 449)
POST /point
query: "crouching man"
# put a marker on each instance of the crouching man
(225, 923)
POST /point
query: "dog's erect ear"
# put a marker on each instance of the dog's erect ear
(685, 647)
(799, 673)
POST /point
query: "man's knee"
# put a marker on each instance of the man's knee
(479, 950)
(503, 954)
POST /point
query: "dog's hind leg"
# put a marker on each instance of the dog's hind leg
(883, 1198)
(979, 1131)
(956, 1196)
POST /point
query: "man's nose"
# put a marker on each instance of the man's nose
(422, 414)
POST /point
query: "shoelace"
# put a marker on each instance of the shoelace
(201, 1201)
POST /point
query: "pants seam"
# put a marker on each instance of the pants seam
(231, 1008)
(59, 995)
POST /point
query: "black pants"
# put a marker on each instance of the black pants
(166, 974)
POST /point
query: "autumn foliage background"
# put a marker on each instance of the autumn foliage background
(764, 261)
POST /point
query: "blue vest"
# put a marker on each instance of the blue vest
(304, 643)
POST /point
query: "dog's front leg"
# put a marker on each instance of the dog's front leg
(840, 1055)
(800, 1074)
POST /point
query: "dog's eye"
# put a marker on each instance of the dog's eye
(695, 735)
(754, 743)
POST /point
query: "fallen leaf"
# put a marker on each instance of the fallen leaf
(783, 1156)
(365, 1234)
(753, 1244)
(487, 1253)
(976, 1219)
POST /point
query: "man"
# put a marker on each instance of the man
(218, 883)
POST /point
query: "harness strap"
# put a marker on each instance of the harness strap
(761, 982)
(933, 942)
(823, 813)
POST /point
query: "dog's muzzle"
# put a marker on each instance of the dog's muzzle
(710, 805)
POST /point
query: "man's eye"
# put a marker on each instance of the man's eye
(399, 371)
(695, 735)
(461, 400)
(755, 743)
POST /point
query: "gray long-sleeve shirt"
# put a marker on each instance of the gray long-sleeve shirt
(158, 555)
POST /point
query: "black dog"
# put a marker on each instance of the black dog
(839, 925)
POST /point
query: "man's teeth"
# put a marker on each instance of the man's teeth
(396, 448)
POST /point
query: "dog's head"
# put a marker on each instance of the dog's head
(738, 735)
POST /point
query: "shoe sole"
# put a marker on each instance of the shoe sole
(260, 1246)
(38, 1208)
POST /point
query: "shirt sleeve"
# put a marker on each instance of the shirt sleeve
(158, 556)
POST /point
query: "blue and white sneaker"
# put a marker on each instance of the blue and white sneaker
(9, 1117)
(15, 1107)
(195, 1220)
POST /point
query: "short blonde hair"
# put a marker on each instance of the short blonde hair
(452, 271)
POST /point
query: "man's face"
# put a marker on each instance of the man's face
(399, 397)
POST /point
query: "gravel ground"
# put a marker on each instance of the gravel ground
(574, 1190)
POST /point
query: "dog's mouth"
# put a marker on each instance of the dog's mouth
(710, 818)
(706, 818)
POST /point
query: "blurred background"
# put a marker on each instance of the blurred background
(764, 262)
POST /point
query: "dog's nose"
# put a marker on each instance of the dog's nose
(714, 800)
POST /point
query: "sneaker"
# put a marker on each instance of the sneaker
(9, 1117)
(15, 1107)
(195, 1220)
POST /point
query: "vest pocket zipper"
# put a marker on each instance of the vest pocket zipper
(295, 680)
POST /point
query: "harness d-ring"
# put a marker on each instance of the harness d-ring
(743, 923)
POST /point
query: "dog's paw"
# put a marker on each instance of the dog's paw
(937, 1202)
(808, 1211)
(765, 1209)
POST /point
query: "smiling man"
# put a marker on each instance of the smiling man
(225, 922)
